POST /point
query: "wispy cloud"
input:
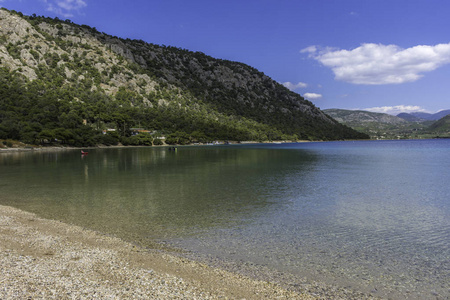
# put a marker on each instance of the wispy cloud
(294, 86)
(65, 8)
(395, 110)
(373, 64)
(310, 49)
(312, 96)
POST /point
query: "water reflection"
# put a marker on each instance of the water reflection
(147, 193)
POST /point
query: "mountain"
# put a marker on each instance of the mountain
(441, 126)
(69, 83)
(384, 126)
(421, 116)
(379, 125)
(410, 117)
(359, 117)
(439, 115)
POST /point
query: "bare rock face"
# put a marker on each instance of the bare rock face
(16, 29)
(25, 47)
(119, 48)
(28, 59)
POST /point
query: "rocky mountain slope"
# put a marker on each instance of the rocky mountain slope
(66, 82)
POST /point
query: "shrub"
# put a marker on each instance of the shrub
(108, 140)
(158, 142)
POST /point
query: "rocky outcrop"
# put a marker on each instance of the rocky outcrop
(16, 30)
(14, 26)
(33, 45)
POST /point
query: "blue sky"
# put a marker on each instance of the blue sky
(386, 56)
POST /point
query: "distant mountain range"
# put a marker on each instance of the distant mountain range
(358, 117)
(404, 125)
(421, 116)
(410, 117)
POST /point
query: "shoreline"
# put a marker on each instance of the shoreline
(43, 258)
(57, 149)
(29, 148)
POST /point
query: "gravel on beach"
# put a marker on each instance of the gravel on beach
(47, 259)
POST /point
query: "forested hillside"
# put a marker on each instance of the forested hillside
(442, 126)
(70, 84)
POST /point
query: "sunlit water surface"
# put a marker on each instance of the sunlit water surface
(373, 216)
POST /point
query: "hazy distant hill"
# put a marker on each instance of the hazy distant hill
(66, 82)
(384, 126)
(378, 125)
(421, 116)
(441, 114)
(361, 118)
(410, 117)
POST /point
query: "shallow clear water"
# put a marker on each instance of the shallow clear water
(372, 215)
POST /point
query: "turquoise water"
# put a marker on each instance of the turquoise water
(373, 216)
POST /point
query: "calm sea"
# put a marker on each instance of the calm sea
(373, 216)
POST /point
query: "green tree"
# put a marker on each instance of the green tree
(46, 136)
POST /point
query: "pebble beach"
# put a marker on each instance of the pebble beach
(46, 259)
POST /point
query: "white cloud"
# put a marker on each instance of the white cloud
(381, 64)
(65, 8)
(310, 49)
(294, 86)
(395, 110)
(312, 96)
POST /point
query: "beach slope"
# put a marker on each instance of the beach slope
(43, 259)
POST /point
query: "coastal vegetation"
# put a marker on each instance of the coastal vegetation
(69, 84)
